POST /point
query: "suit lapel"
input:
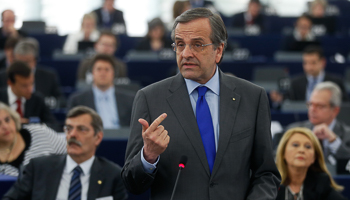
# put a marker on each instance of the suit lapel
(96, 180)
(90, 101)
(229, 102)
(185, 116)
(55, 174)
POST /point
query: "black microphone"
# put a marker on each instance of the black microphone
(182, 163)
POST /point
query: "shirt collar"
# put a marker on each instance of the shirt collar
(12, 97)
(319, 78)
(332, 124)
(85, 166)
(109, 92)
(212, 84)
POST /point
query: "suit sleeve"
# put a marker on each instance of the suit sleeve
(22, 189)
(265, 178)
(344, 149)
(135, 178)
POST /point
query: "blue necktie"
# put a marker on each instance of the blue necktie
(75, 185)
(205, 125)
(311, 87)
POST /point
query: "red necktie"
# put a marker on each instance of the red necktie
(19, 107)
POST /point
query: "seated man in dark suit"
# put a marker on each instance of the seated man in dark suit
(46, 80)
(78, 175)
(109, 18)
(302, 36)
(8, 27)
(301, 86)
(250, 18)
(113, 104)
(106, 44)
(19, 96)
(323, 108)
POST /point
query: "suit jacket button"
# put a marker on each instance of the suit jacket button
(212, 184)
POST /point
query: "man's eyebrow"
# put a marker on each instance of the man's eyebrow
(193, 39)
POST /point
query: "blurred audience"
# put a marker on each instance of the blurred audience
(10, 45)
(113, 104)
(322, 24)
(323, 108)
(109, 18)
(304, 173)
(19, 144)
(178, 8)
(251, 19)
(46, 79)
(20, 96)
(301, 86)
(79, 174)
(302, 36)
(88, 34)
(8, 29)
(106, 44)
(156, 38)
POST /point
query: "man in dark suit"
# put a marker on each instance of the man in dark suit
(252, 17)
(113, 103)
(323, 108)
(8, 30)
(78, 175)
(110, 18)
(301, 86)
(19, 95)
(225, 135)
(46, 80)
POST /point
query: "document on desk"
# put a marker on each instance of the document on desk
(105, 198)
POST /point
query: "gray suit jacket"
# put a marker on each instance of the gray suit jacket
(123, 97)
(244, 167)
(41, 179)
(342, 130)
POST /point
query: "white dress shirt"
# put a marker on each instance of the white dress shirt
(13, 98)
(71, 44)
(63, 189)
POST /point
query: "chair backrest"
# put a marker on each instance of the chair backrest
(344, 115)
(293, 106)
(33, 26)
(283, 56)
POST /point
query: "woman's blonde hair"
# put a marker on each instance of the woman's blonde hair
(13, 114)
(318, 166)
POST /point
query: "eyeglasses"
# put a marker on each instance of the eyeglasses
(197, 47)
(317, 105)
(80, 129)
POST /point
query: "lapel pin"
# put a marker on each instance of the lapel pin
(99, 182)
(234, 99)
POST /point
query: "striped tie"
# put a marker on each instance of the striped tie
(75, 185)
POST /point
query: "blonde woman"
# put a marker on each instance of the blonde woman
(303, 170)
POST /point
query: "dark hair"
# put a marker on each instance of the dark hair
(103, 57)
(18, 68)
(218, 30)
(96, 121)
(255, 1)
(11, 42)
(313, 49)
(108, 33)
(179, 7)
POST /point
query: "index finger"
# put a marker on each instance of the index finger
(157, 121)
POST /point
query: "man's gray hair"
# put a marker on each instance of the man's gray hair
(96, 121)
(336, 97)
(13, 114)
(218, 30)
(27, 46)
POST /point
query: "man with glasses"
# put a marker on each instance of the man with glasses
(323, 108)
(78, 175)
(220, 123)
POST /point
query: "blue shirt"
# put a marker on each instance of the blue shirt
(106, 107)
(213, 99)
(310, 80)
